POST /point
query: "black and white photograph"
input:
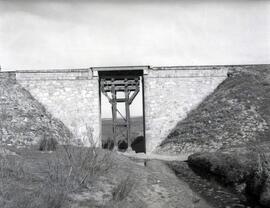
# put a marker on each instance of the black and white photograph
(134, 104)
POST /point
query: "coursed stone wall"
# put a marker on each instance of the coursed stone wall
(71, 96)
(171, 92)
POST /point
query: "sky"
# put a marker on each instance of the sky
(78, 34)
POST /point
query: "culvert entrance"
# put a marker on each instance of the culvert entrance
(121, 96)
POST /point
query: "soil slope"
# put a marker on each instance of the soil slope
(23, 120)
(237, 113)
(246, 169)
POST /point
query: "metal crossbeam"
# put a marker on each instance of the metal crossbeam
(120, 82)
(119, 88)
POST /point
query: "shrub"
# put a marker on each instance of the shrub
(138, 145)
(122, 189)
(122, 145)
(259, 183)
(48, 144)
(108, 144)
(51, 178)
(86, 163)
(55, 177)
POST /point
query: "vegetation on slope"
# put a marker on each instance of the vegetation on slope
(23, 120)
(229, 133)
(236, 113)
(80, 177)
(246, 169)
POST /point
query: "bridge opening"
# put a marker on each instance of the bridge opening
(122, 110)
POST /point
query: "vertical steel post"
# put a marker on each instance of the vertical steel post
(127, 118)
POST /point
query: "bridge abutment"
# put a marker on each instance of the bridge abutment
(71, 96)
(170, 93)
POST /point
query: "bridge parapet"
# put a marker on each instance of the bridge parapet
(70, 74)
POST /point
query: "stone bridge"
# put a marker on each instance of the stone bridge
(169, 93)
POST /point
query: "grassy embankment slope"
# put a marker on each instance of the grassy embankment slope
(23, 120)
(236, 113)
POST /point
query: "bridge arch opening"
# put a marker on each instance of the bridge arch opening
(122, 109)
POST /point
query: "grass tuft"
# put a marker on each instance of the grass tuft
(122, 190)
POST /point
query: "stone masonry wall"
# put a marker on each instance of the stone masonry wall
(170, 93)
(72, 96)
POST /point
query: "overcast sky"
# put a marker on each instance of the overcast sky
(73, 34)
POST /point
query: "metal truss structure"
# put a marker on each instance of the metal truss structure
(111, 87)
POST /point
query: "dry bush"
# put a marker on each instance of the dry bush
(108, 143)
(11, 168)
(12, 176)
(85, 163)
(63, 172)
(122, 190)
(259, 182)
(20, 188)
(47, 144)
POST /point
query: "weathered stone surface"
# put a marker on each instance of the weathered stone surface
(71, 96)
(170, 93)
(23, 120)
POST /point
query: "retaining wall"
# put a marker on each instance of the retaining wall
(70, 95)
(171, 92)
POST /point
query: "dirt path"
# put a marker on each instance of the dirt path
(174, 192)
(153, 186)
